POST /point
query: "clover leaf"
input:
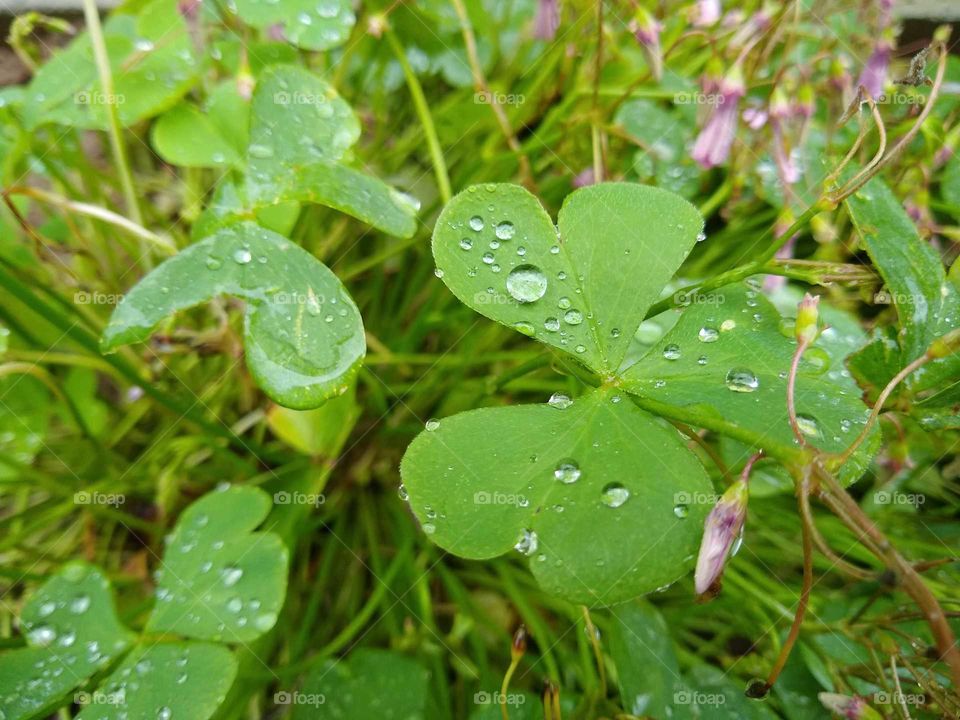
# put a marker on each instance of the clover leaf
(72, 632)
(307, 24)
(544, 478)
(220, 580)
(300, 131)
(303, 333)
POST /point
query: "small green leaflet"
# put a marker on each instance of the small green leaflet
(72, 632)
(220, 580)
(303, 333)
(308, 24)
(541, 478)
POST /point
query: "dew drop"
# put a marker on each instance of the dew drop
(741, 380)
(708, 334)
(476, 223)
(551, 324)
(671, 352)
(231, 575)
(809, 426)
(702, 360)
(573, 317)
(561, 401)
(681, 510)
(466, 244)
(527, 544)
(525, 328)
(614, 495)
(488, 258)
(505, 230)
(567, 471)
(402, 492)
(432, 424)
(242, 256)
(526, 283)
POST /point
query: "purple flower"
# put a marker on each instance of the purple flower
(874, 74)
(849, 707)
(755, 117)
(647, 29)
(712, 146)
(584, 178)
(547, 20)
(707, 12)
(275, 32)
(189, 9)
(722, 527)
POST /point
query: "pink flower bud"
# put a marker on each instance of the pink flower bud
(722, 527)
(807, 316)
(848, 707)
(713, 144)
(547, 20)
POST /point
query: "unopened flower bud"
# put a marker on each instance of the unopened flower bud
(847, 706)
(722, 527)
(808, 314)
(945, 345)
(519, 645)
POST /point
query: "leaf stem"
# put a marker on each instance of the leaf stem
(92, 16)
(426, 120)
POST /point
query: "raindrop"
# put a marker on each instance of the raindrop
(476, 223)
(551, 324)
(231, 575)
(728, 325)
(164, 713)
(402, 492)
(466, 243)
(80, 604)
(567, 471)
(809, 426)
(432, 424)
(488, 258)
(526, 283)
(708, 334)
(614, 495)
(527, 544)
(561, 401)
(242, 256)
(816, 361)
(702, 360)
(573, 317)
(671, 352)
(681, 510)
(742, 380)
(505, 230)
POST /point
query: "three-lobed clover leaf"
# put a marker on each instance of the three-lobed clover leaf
(308, 24)
(603, 496)
(164, 681)
(73, 632)
(295, 145)
(303, 333)
(368, 683)
(220, 580)
(151, 60)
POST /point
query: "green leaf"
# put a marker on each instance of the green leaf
(24, 418)
(724, 366)
(300, 129)
(164, 681)
(220, 580)
(485, 481)
(914, 277)
(185, 136)
(303, 334)
(647, 669)
(369, 683)
(316, 432)
(582, 287)
(72, 632)
(152, 62)
(310, 25)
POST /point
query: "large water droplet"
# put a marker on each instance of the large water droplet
(742, 380)
(614, 495)
(559, 400)
(528, 542)
(551, 324)
(466, 243)
(231, 575)
(242, 256)
(573, 317)
(526, 283)
(476, 223)
(505, 230)
(671, 352)
(567, 471)
(708, 334)
(809, 426)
